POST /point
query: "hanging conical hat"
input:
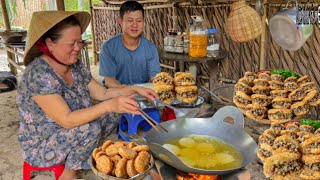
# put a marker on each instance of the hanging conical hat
(42, 21)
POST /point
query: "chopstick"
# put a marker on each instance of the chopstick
(151, 121)
(155, 122)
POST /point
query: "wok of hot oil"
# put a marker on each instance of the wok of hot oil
(204, 152)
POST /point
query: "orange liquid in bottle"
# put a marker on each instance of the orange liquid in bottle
(198, 45)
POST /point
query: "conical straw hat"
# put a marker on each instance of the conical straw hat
(42, 21)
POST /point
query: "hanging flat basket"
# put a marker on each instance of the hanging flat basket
(244, 23)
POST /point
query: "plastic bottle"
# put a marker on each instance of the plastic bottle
(166, 42)
(173, 37)
(169, 41)
(186, 43)
(213, 45)
(186, 38)
(179, 43)
(198, 39)
(190, 24)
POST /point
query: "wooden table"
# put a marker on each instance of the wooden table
(185, 58)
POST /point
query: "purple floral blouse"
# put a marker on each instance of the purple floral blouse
(44, 142)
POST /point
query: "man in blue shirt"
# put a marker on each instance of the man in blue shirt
(129, 58)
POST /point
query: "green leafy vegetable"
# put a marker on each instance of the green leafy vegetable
(277, 71)
(285, 73)
(313, 123)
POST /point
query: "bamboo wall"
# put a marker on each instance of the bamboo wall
(242, 56)
(24, 11)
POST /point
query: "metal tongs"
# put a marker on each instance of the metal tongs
(151, 121)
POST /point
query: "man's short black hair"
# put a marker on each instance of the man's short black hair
(130, 6)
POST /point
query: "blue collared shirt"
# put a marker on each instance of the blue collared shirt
(129, 67)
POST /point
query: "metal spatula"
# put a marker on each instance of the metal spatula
(169, 157)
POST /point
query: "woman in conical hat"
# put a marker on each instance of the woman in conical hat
(58, 123)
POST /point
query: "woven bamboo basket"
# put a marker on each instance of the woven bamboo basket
(244, 23)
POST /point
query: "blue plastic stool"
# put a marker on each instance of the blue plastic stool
(131, 122)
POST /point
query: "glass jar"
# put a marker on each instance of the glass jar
(213, 45)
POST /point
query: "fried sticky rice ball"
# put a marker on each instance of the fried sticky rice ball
(141, 162)
(121, 171)
(104, 164)
(127, 153)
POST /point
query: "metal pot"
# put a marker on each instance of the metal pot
(286, 31)
(215, 127)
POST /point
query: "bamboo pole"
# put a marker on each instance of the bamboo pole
(95, 59)
(262, 64)
(167, 66)
(175, 19)
(12, 67)
(5, 15)
(60, 5)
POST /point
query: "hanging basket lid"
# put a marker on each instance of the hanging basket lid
(244, 23)
(237, 5)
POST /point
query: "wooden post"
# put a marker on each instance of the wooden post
(214, 73)
(175, 18)
(8, 28)
(11, 56)
(5, 15)
(60, 5)
(95, 59)
(263, 37)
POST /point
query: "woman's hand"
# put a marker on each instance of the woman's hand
(123, 104)
(146, 92)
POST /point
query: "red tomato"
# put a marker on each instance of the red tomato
(263, 71)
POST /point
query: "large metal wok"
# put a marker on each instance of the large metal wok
(216, 127)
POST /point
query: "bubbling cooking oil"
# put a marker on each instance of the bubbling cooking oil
(204, 152)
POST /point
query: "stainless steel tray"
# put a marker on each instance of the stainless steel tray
(195, 104)
(145, 103)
